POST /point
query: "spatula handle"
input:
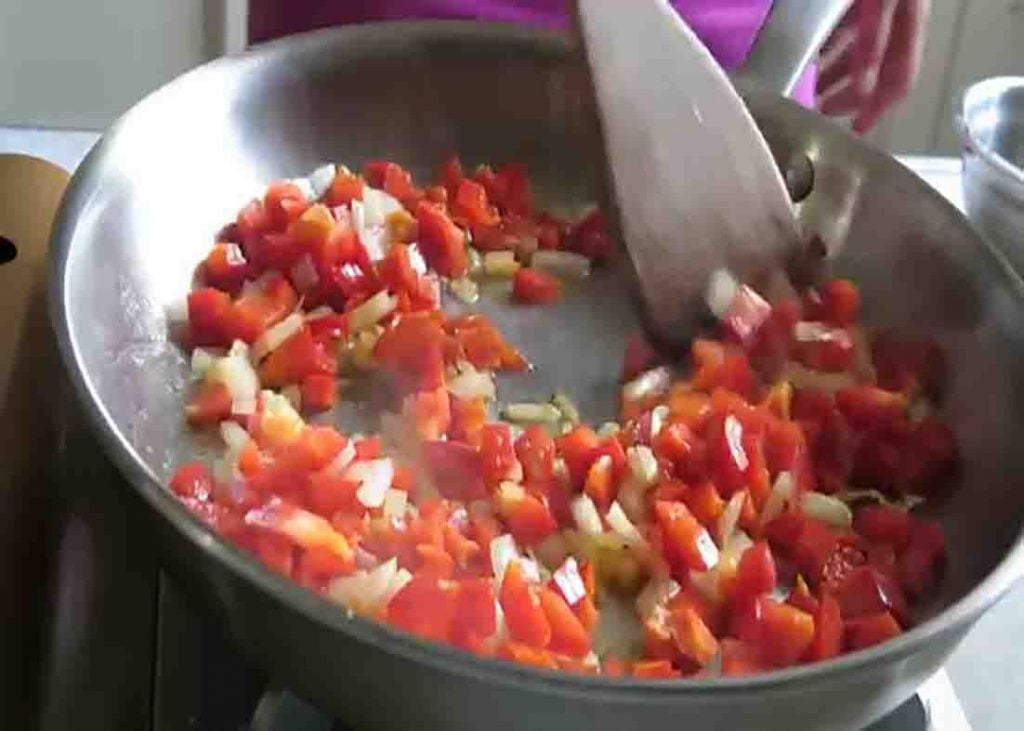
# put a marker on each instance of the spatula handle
(794, 31)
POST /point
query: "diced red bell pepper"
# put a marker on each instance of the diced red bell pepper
(568, 635)
(905, 363)
(268, 301)
(429, 412)
(512, 181)
(284, 202)
(535, 287)
(871, 630)
(590, 237)
(740, 658)
(783, 632)
(319, 392)
(395, 269)
(525, 617)
(413, 349)
(693, 639)
(837, 302)
(425, 607)
(579, 448)
(442, 243)
(475, 611)
(297, 357)
(755, 573)
(328, 493)
(252, 221)
(192, 480)
(838, 563)
(831, 353)
(528, 518)
(468, 418)
(600, 483)
(871, 408)
(535, 448)
(210, 317)
(828, 630)
(705, 503)
(480, 343)
(688, 546)
(866, 590)
(225, 267)
(883, 524)
(210, 405)
(450, 174)
(455, 469)
(345, 188)
(470, 207)
(497, 453)
(919, 564)
(527, 655)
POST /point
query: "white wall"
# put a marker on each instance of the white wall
(80, 63)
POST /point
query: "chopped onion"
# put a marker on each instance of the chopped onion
(293, 393)
(568, 580)
(609, 429)
(470, 383)
(658, 416)
(730, 517)
(738, 543)
(650, 383)
(237, 374)
(321, 178)
(374, 477)
(561, 263)
(177, 312)
(271, 340)
(707, 549)
(782, 493)
(531, 413)
(584, 512)
(306, 187)
(372, 311)
(416, 260)
(235, 437)
(369, 217)
(465, 289)
(722, 290)
(476, 261)
(316, 314)
(304, 275)
(394, 504)
(503, 551)
(369, 591)
(813, 332)
(655, 594)
(643, 465)
(344, 458)
(531, 569)
(500, 263)
(619, 522)
(564, 404)
(906, 502)
(306, 529)
(826, 508)
(280, 422)
(803, 378)
(200, 362)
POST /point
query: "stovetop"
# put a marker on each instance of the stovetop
(123, 648)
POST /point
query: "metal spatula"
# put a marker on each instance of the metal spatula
(694, 183)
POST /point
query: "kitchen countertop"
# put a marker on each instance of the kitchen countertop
(983, 670)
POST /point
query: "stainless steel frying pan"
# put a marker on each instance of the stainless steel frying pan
(143, 207)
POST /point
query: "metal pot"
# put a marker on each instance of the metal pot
(991, 125)
(143, 207)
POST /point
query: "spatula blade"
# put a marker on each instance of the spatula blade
(695, 185)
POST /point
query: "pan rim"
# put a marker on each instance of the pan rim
(954, 618)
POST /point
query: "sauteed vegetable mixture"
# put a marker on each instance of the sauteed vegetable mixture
(749, 510)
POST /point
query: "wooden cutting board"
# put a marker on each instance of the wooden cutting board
(30, 373)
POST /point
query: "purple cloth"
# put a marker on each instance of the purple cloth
(727, 27)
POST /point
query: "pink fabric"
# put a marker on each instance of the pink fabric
(727, 27)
